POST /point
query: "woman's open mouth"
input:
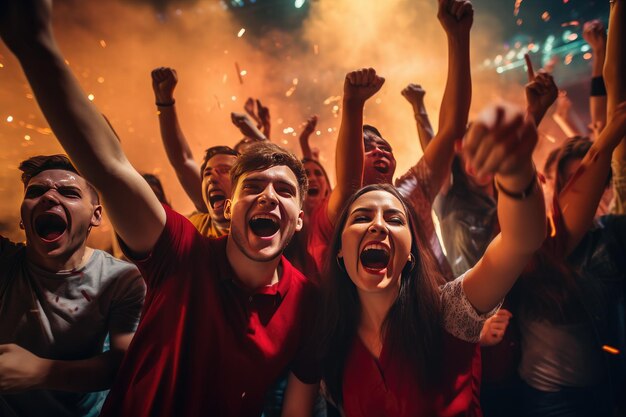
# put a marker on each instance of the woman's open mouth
(50, 227)
(375, 257)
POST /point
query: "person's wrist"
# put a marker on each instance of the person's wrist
(519, 183)
(165, 102)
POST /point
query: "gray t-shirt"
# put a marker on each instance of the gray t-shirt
(64, 316)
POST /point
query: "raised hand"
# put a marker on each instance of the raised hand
(541, 91)
(264, 117)
(414, 94)
(249, 108)
(164, 82)
(500, 142)
(309, 126)
(594, 33)
(456, 16)
(361, 84)
(246, 126)
(495, 327)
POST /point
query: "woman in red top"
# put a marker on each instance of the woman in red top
(393, 341)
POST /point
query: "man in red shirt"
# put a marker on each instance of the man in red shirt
(222, 318)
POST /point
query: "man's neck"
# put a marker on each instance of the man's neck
(75, 261)
(250, 273)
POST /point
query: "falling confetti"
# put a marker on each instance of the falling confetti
(26, 137)
(103, 43)
(91, 97)
(610, 349)
(239, 75)
(241, 32)
(290, 92)
(9, 119)
(545, 16)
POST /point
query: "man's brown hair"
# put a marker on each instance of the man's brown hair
(264, 155)
(35, 165)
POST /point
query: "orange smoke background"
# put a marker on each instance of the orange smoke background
(112, 46)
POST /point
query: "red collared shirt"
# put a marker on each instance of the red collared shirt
(385, 386)
(205, 346)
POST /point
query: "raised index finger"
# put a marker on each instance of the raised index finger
(529, 65)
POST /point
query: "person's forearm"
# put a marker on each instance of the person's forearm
(349, 156)
(87, 375)
(597, 64)
(82, 131)
(597, 110)
(306, 148)
(615, 65)
(522, 221)
(455, 110)
(457, 95)
(425, 131)
(180, 155)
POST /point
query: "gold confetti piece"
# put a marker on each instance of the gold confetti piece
(294, 81)
(103, 43)
(610, 349)
(27, 137)
(568, 59)
(241, 32)
(545, 16)
(91, 97)
(318, 132)
(587, 56)
(9, 119)
(233, 98)
(239, 73)
(1, 66)
(100, 80)
(331, 99)
(289, 92)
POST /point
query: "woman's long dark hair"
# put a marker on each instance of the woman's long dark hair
(412, 327)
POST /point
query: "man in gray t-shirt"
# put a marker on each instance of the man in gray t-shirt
(59, 299)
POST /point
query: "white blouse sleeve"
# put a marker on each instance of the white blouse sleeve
(460, 318)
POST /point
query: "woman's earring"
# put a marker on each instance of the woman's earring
(410, 262)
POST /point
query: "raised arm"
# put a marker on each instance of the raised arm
(594, 33)
(541, 92)
(614, 70)
(358, 87)
(137, 215)
(456, 18)
(565, 117)
(246, 127)
(307, 130)
(580, 197)
(502, 143)
(414, 94)
(264, 118)
(178, 152)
